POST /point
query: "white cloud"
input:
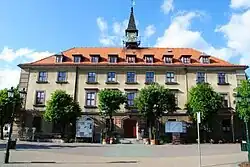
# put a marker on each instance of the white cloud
(180, 34)
(167, 6)
(236, 4)
(236, 31)
(9, 77)
(149, 31)
(9, 54)
(102, 24)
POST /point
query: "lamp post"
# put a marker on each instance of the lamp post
(11, 96)
(246, 99)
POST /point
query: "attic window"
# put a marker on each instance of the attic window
(77, 58)
(204, 58)
(95, 58)
(185, 59)
(149, 59)
(168, 60)
(131, 58)
(59, 58)
(113, 58)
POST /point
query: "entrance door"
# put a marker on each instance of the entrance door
(129, 127)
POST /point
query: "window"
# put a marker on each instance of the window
(131, 59)
(200, 77)
(131, 77)
(111, 77)
(221, 78)
(40, 97)
(42, 76)
(130, 98)
(59, 59)
(224, 100)
(77, 59)
(149, 59)
(91, 77)
(170, 77)
(168, 60)
(149, 77)
(185, 60)
(91, 98)
(61, 76)
(226, 125)
(95, 59)
(239, 81)
(205, 60)
(113, 59)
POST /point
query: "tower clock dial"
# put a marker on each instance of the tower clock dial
(132, 37)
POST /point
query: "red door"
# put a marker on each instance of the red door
(129, 127)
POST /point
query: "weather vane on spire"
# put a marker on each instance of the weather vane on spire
(133, 3)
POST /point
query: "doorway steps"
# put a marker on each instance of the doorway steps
(131, 141)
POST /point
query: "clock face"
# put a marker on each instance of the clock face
(132, 37)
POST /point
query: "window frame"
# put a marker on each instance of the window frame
(114, 58)
(79, 58)
(186, 60)
(149, 59)
(59, 58)
(134, 77)
(219, 78)
(132, 104)
(58, 76)
(90, 100)
(38, 98)
(204, 60)
(91, 76)
(170, 81)
(39, 76)
(109, 77)
(197, 77)
(95, 59)
(170, 60)
(152, 77)
(131, 58)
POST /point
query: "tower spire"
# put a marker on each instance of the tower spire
(131, 23)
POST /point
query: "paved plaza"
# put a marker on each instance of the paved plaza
(130, 155)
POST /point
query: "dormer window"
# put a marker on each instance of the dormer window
(131, 58)
(113, 58)
(59, 58)
(168, 59)
(149, 59)
(204, 58)
(185, 59)
(95, 58)
(77, 58)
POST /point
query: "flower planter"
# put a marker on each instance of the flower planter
(152, 142)
(244, 164)
(104, 141)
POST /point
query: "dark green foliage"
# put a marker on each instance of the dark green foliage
(110, 101)
(203, 99)
(242, 105)
(152, 102)
(62, 109)
(6, 106)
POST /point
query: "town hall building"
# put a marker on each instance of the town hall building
(83, 71)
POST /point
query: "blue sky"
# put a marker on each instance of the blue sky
(31, 30)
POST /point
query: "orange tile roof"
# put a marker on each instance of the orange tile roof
(140, 52)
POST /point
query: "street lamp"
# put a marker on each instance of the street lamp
(247, 99)
(11, 94)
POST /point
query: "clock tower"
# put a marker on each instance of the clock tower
(131, 33)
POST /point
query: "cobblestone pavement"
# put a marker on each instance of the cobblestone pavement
(94, 155)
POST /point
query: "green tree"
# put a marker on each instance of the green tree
(203, 99)
(152, 102)
(6, 107)
(62, 109)
(242, 105)
(109, 103)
